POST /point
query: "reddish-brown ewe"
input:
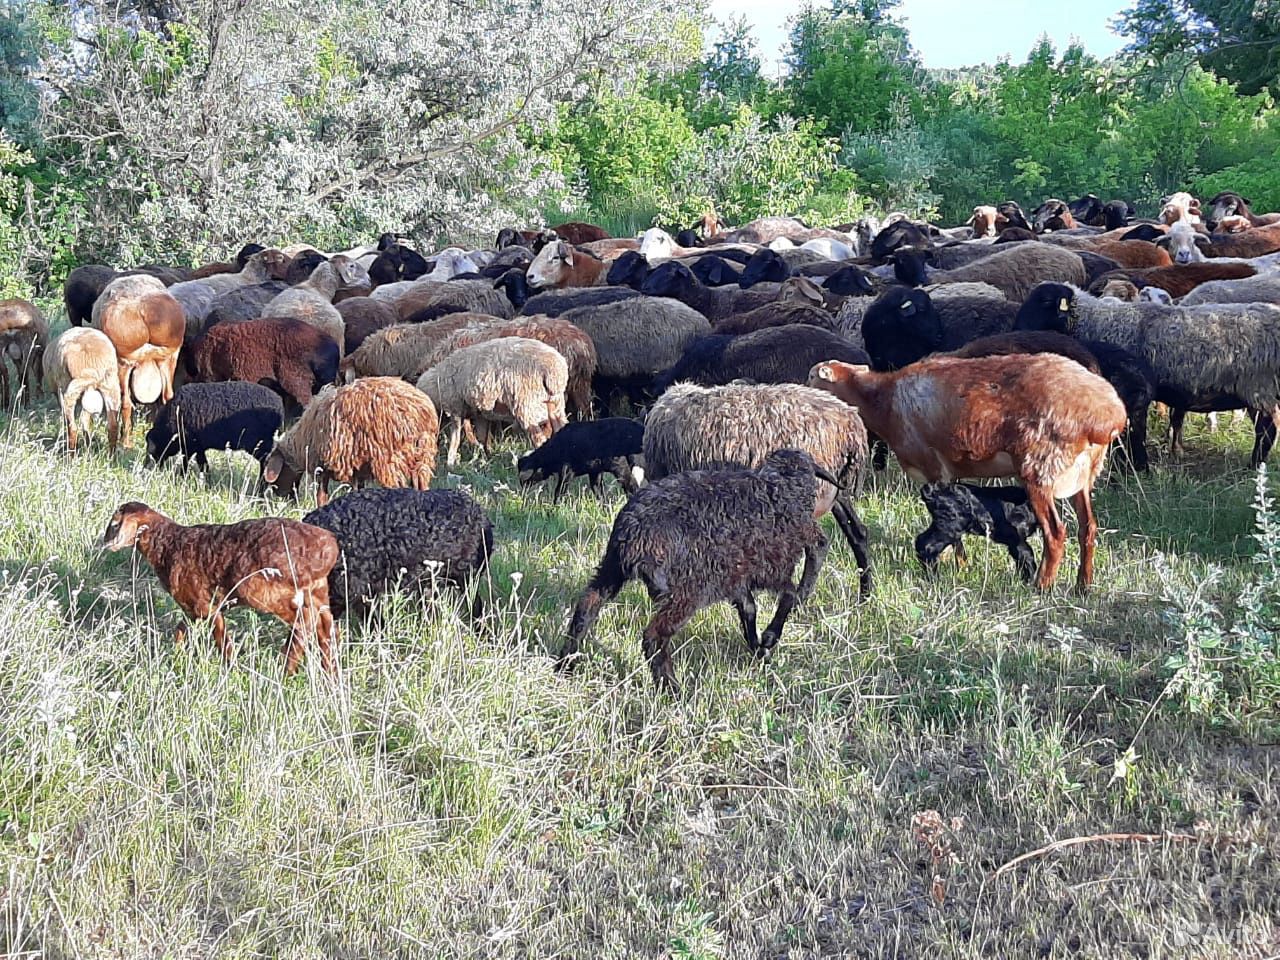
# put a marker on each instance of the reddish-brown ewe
(147, 332)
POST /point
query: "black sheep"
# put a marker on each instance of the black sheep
(81, 289)
(1013, 214)
(588, 448)
(302, 266)
(508, 237)
(764, 266)
(552, 303)
(849, 281)
(404, 537)
(1144, 231)
(628, 270)
(1117, 214)
(515, 285)
(900, 328)
(714, 270)
(910, 265)
(1095, 265)
(1002, 514)
(216, 416)
(1087, 210)
(900, 233)
(783, 354)
(703, 536)
(387, 265)
(688, 238)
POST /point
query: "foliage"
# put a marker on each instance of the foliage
(20, 44)
(14, 226)
(712, 88)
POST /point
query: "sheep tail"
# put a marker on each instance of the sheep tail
(609, 579)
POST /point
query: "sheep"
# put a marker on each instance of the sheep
(1010, 216)
(362, 316)
(1052, 215)
(1133, 254)
(904, 326)
(707, 536)
(292, 357)
(301, 265)
(1087, 210)
(216, 416)
(828, 247)
(460, 296)
(983, 221)
(1156, 295)
(961, 307)
(692, 427)
(1257, 242)
(147, 332)
(900, 233)
(415, 297)
(848, 281)
(636, 339)
(576, 232)
(1116, 214)
(244, 303)
(764, 266)
(628, 270)
(405, 350)
(515, 286)
(1227, 203)
(508, 379)
(1043, 419)
(378, 427)
(559, 265)
(591, 449)
(80, 366)
(233, 266)
(312, 301)
(198, 297)
(81, 288)
(763, 230)
(571, 343)
(771, 355)
(1205, 358)
(1016, 271)
(1183, 243)
(777, 314)
(674, 280)
(716, 271)
(1182, 280)
(1001, 514)
(1262, 288)
(274, 566)
(123, 287)
(553, 303)
(1180, 207)
(24, 335)
(1133, 379)
(411, 539)
(1232, 224)
(1117, 288)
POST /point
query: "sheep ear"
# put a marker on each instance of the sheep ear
(1202, 240)
(1163, 241)
(908, 308)
(568, 254)
(271, 469)
(824, 371)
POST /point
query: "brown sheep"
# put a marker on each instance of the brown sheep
(416, 296)
(1132, 254)
(24, 334)
(577, 232)
(362, 316)
(291, 356)
(274, 566)
(560, 265)
(147, 332)
(378, 427)
(1180, 279)
(1257, 242)
(404, 350)
(983, 221)
(1042, 418)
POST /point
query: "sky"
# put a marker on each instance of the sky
(957, 33)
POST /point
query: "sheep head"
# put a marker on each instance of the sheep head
(550, 268)
(128, 522)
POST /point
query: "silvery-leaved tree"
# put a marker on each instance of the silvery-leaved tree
(191, 125)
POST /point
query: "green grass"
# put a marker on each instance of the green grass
(451, 796)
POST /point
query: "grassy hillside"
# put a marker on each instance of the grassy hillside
(451, 796)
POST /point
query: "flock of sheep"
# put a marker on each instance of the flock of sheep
(769, 365)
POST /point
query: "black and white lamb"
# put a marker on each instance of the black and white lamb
(407, 538)
(707, 536)
(588, 448)
(201, 417)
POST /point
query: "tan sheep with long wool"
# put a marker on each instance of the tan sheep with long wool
(312, 300)
(504, 380)
(378, 428)
(405, 350)
(80, 366)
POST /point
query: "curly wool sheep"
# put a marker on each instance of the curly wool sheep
(216, 416)
(707, 536)
(692, 427)
(504, 380)
(411, 539)
(378, 427)
(405, 350)
(80, 366)
(1205, 358)
(24, 335)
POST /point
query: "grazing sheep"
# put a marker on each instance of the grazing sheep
(461, 296)
(274, 566)
(233, 266)
(770, 355)
(765, 230)
(614, 445)
(312, 301)
(291, 357)
(1043, 419)
(674, 280)
(512, 379)
(635, 340)
(405, 350)
(301, 265)
(707, 536)
(378, 427)
(559, 265)
(361, 317)
(82, 288)
(147, 332)
(692, 427)
(24, 335)
(410, 539)
(1205, 358)
(1001, 514)
(216, 416)
(80, 367)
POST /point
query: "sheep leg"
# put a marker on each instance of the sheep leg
(561, 479)
(1053, 529)
(220, 640)
(1024, 559)
(322, 487)
(656, 640)
(609, 579)
(746, 607)
(113, 430)
(596, 484)
(1177, 417)
(1265, 423)
(455, 438)
(626, 477)
(791, 596)
(1088, 534)
(855, 532)
(4, 380)
(126, 407)
(69, 418)
(879, 454)
(202, 461)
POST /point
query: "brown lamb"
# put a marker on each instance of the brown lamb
(274, 566)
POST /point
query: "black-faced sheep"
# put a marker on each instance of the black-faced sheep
(628, 270)
(905, 325)
(692, 427)
(406, 539)
(708, 536)
(591, 449)
(773, 355)
(216, 416)
(1001, 514)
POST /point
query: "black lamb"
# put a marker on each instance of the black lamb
(1002, 514)
(403, 537)
(588, 448)
(783, 354)
(628, 270)
(764, 266)
(216, 416)
(703, 536)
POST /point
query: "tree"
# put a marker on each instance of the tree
(19, 56)
(1237, 39)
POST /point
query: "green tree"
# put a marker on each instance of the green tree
(20, 44)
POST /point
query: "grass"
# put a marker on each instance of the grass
(450, 796)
